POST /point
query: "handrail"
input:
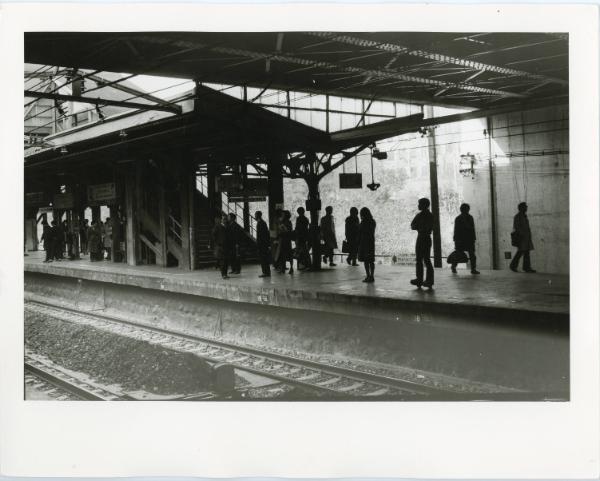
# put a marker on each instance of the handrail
(174, 226)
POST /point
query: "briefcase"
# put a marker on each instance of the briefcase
(515, 239)
(457, 257)
(345, 247)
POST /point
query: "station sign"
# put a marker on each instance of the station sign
(63, 201)
(46, 210)
(35, 198)
(235, 198)
(351, 181)
(252, 188)
(101, 193)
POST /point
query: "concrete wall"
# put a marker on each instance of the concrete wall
(529, 152)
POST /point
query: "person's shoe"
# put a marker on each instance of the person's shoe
(514, 269)
(530, 271)
(324, 259)
(265, 275)
(331, 264)
(416, 282)
(428, 284)
(292, 271)
(347, 260)
(475, 271)
(453, 269)
(354, 264)
(366, 279)
(370, 279)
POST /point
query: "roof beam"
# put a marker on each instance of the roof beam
(395, 48)
(251, 54)
(176, 109)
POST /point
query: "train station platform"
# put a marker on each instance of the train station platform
(543, 297)
(499, 326)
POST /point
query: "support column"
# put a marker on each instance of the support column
(192, 213)
(246, 209)
(95, 213)
(435, 201)
(114, 228)
(185, 187)
(313, 205)
(131, 239)
(493, 218)
(162, 221)
(275, 184)
(214, 197)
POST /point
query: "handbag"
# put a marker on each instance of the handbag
(515, 239)
(345, 247)
(457, 257)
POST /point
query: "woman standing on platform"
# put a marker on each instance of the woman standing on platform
(366, 243)
(328, 235)
(352, 228)
(95, 242)
(285, 253)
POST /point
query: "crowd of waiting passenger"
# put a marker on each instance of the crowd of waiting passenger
(289, 242)
(95, 239)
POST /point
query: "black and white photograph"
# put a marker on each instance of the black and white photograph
(342, 216)
(317, 240)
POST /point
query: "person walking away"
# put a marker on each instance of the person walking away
(352, 233)
(366, 243)
(285, 252)
(522, 239)
(328, 235)
(83, 237)
(47, 240)
(464, 236)
(70, 237)
(237, 232)
(263, 241)
(423, 224)
(301, 234)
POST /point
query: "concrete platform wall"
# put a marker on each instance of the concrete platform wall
(537, 174)
(475, 348)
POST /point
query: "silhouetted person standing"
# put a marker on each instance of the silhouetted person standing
(83, 236)
(58, 240)
(48, 241)
(237, 233)
(95, 242)
(366, 243)
(522, 239)
(301, 234)
(464, 236)
(286, 234)
(423, 224)
(352, 232)
(218, 244)
(263, 241)
(328, 235)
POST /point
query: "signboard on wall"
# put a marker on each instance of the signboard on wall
(35, 198)
(63, 201)
(102, 193)
(351, 181)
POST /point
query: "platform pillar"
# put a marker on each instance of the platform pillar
(131, 239)
(95, 213)
(185, 187)
(275, 186)
(214, 197)
(435, 201)
(162, 220)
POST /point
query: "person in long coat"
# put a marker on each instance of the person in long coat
(278, 227)
(328, 235)
(263, 242)
(107, 234)
(423, 224)
(464, 236)
(302, 238)
(218, 244)
(352, 232)
(366, 243)
(524, 244)
(235, 237)
(95, 241)
(48, 241)
(286, 232)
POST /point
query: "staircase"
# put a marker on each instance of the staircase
(204, 218)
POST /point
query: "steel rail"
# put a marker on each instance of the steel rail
(401, 389)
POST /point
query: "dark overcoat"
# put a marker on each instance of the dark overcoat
(464, 232)
(521, 227)
(366, 240)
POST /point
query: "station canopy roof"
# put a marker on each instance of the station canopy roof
(475, 70)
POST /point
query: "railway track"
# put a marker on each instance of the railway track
(58, 385)
(335, 381)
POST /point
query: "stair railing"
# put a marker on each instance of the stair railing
(174, 228)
